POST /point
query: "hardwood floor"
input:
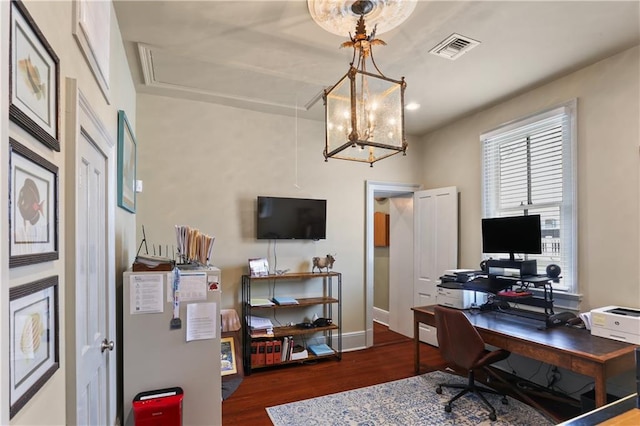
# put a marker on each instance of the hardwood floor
(391, 358)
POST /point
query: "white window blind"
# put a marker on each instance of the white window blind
(528, 168)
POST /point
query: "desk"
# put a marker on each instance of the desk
(574, 349)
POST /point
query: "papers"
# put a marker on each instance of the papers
(145, 293)
(586, 319)
(193, 286)
(259, 323)
(193, 245)
(261, 302)
(201, 321)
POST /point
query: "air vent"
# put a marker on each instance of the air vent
(454, 46)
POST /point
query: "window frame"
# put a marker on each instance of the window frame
(568, 207)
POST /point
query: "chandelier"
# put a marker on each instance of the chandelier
(364, 110)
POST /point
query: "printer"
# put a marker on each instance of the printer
(457, 298)
(617, 323)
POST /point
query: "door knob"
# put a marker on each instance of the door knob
(106, 345)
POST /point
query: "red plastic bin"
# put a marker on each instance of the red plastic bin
(162, 407)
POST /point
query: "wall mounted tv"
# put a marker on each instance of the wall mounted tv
(513, 235)
(291, 218)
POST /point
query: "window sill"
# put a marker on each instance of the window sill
(562, 300)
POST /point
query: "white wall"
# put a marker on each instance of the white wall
(608, 171)
(203, 165)
(54, 19)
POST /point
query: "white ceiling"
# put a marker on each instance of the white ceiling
(271, 56)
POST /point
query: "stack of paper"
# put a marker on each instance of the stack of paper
(261, 302)
(260, 326)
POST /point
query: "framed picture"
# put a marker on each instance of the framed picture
(228, 359)
(33, 207)
(258, 267)
(126, 164)
(34, 79)
(34, 339)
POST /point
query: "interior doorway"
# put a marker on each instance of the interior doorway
(376, 190)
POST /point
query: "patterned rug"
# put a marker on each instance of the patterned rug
(411, 401)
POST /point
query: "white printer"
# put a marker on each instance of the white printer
(456, 298)
(617, 323)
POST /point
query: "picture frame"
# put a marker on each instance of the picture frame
(33, 207)
(127, 164)
(228, 356)
(34, 345)
(258, 267)
(34, 79)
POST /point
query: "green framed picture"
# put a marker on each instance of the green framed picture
(126, 164)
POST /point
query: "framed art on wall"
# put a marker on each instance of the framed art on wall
(34, 339)
(34, 78)
(126, 164)
(33, 207)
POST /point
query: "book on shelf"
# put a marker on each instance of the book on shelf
(260, 302)
(320, 349)
(284, 351)
(285, 300)
(277, 351)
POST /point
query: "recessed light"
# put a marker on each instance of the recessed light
(412, 106)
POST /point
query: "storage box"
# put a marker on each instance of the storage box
(162, 407)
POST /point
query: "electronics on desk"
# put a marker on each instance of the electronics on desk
(617, 323)
(460, 299)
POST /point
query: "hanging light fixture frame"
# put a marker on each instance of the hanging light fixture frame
(364, 111)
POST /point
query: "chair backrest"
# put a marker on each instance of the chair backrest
(458, 339)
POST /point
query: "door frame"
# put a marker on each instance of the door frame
(80, 117)
(376, 189)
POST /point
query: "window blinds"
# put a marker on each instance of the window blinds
(528, 169)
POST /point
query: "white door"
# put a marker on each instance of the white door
(94, 347)
(401, 264)
(435, 245)
(90, 253)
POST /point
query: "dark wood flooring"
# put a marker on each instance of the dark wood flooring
(391, 358)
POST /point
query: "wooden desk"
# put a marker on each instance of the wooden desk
(574, 349)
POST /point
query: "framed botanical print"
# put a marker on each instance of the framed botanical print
(33, 207)
(34, 79)
(126, 164)
(34, 339)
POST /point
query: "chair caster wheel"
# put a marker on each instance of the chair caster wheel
(505, 401)
(439, 390)
(447, 408)
(493, 417)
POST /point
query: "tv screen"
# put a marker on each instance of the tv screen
(291, 218)
(517, 234)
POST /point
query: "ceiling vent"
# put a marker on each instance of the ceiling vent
(454, 46)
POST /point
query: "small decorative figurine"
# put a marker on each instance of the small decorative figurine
(323, 262)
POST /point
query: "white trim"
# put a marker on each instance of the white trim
(371, 187)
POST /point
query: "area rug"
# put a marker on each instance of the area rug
(411, 401)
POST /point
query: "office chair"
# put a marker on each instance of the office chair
(461, 345)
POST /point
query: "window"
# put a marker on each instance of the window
(528, 168)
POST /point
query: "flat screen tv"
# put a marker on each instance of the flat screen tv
(513, 235)
(291, 218)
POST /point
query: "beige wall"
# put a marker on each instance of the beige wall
(203, 165)
(54, 19)
(608, 191)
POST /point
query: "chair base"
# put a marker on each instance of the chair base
(471, 387)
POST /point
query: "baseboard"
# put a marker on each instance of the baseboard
(381, 316)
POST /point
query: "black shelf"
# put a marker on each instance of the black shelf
(332, 304)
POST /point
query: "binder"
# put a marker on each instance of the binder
(277, 351)
(269, 352)
(261, 359)
(254, 353)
